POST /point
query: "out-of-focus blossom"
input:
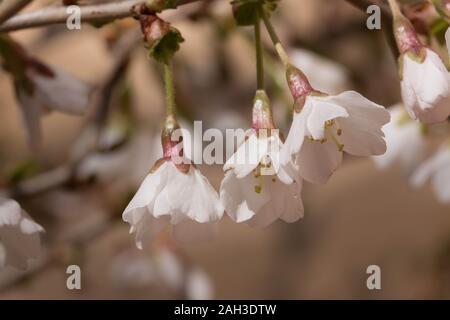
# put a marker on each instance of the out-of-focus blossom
(173, 193)
(19, 235)
(256, 188)
(425, 81)
(436, 169)
(41, 88)
(324, 126)
(51, 89)
(161, 268)
(404, 139)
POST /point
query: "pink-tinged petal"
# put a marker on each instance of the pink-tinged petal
(317, 161)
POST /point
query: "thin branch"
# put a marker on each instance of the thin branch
(122, 53)
(89, 13)
(64, 173)
(8, 8)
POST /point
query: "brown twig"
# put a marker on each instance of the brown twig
(8, 8)
(89, 13)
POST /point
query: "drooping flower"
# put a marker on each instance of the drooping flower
(436, 169)
(324, 126)
(41, 88)
(404, 139)
(425, 81)
(257, 189)
(173, 193)
(19, 235)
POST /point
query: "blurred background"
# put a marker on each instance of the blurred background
(362, 217)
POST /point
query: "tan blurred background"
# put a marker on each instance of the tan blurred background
(361, 217)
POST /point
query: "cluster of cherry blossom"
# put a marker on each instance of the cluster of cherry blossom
(425, 91)
(257, 193)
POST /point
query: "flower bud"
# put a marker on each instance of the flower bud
(170, 140)
(406, 37)
(262, 112)
(298, 82)
(161, 39)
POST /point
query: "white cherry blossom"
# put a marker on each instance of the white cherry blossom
(404, 139)
(425, 82)
(257, 189)
(425, 86)
(173, 194)
(436, 169)
(324, 126)
(50, 89)
(19, 235)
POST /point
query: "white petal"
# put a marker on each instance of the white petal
(434, 165)
(10, 213)
(61, 92)
(148, 228)
(294, 209)
(441, 184)
(361, 110)
(317, 161)
(193, 196)
(285, 203)
(146, 194)
(322, 111)
(405, 142)
(247, 156)
(19, 235)
(296, 135)
(239, 197)
(360, 142)
(447, 40)
(426, 88)
(198, 286)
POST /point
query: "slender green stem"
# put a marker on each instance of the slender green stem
(274, 37)
(259, 55)
(170, 89)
